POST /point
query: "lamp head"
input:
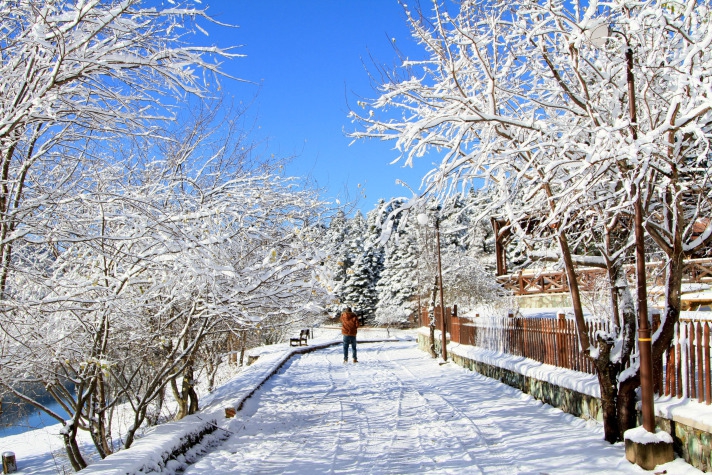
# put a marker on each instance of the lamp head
(598, 35)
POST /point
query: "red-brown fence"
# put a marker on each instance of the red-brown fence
(685, 367)
(551, 282)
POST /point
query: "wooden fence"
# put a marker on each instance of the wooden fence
(694, 270)
(687, 363)
(685, 367)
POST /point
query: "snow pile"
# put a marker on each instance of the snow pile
(153, 452)
(686, 411)
(642, 436)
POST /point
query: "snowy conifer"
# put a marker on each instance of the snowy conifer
(398, 286)
(366, 269)
(337, 260)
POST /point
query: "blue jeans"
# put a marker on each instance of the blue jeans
(349, 340)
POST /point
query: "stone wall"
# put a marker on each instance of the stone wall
(692, 444)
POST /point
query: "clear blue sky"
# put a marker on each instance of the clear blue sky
(308, 58)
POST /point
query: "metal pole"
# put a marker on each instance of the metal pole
(440, 283)
(645, 344)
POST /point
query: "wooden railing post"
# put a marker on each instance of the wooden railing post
(678, 362)
(550, 345)
(700, 362)
(560, 342)
(455, 331)
(708, 386)
(577, 364)
(691, 356)
(670, 372)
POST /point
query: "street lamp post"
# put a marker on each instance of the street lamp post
(423, 220)
(598, 38)
(440, 284)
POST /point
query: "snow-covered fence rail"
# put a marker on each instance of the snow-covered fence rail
(698, 270)
(538, 283)
(684, 372)
(552, 282)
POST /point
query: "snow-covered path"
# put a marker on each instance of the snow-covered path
(397, 411)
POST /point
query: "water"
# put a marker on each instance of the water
(34, 420)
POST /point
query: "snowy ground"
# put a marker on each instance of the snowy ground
(399, 411)
(396, 411)
(41, 451)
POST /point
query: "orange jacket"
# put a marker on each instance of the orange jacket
(349, 323)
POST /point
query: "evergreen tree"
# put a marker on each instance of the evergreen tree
(480, 235)
(398, 287)
(357, 277)
(454, 224)
(337, 260)
(366, 270)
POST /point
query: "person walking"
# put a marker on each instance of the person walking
(349, 327)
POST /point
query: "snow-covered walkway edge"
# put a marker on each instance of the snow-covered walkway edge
(169, 441)
(684, 410)
(681, 411)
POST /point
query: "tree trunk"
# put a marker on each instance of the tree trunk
(673, 284)
(186, 397)
(672, 313)
(581, 329)
(71, 446)
(213, 365)
(607, 372)
(627, 398)
(625, 309)
(242, 347)
(97, 417)
(153, 417)
(193, 398)
(181, 400)
(139, 417)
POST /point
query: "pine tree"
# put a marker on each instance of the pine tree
(480, 235)
(374, 254)
(454, 223)
(357, 277)
(337, 260)
(397, 287)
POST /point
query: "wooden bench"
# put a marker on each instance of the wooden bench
(301, 339)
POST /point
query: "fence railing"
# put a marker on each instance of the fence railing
(685, 366)
(552, 282)
(687, 363)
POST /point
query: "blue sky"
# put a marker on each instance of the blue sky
(307, 58)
